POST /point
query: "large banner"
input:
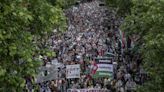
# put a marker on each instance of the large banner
(87, 90)
(73, 71)
(46, 74)
(105, 68)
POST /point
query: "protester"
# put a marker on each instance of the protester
(130, 86)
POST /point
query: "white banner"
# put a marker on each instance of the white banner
(73, 71)
(87, 90)
(105, 61)
(105, 67)
(46, 73)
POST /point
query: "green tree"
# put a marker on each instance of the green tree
(24, 25)
(62, 3)
(122, 7)
(146, 20)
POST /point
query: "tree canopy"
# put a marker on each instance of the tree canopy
(24, 24)
(145, 19)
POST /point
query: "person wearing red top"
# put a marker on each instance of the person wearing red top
(94, 67)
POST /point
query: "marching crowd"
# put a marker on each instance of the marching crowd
(92, 32)
(84, 40)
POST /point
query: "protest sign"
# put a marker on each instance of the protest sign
(104, 60)
(73, 71)
(87, 90)
(46, 74)
(105, 67)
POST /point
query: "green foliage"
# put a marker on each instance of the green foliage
(146, 19)
(62, 3)
(24, 25)
(122, 7)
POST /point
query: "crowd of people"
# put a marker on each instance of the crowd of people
(92, 32)
(84, 40)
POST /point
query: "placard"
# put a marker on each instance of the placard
(73, 71)
(88, 90)
(47, 74)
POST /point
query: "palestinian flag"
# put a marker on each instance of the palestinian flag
(104, 68)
